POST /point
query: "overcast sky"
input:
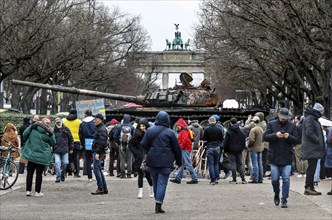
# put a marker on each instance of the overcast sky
(158, 17)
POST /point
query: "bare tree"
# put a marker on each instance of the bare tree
(279, 48)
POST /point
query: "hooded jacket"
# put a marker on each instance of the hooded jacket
(87, 129)
(165, 148)
(135, 146)
(10, 134)
(39, 139)
(312, 135)
(235, 140)
(117, 133)
(73, 123)
(198, 131)
(184, 136)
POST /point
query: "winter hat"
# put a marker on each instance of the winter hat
(58, 119)
(73, 112)
(319, 107)
(255, 119)
(114, 121)
(26, 119)
(100, 116)
(212, 120)
(216, 117)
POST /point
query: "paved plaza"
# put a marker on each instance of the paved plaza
(72, 200)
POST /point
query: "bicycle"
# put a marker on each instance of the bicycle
(8, 169)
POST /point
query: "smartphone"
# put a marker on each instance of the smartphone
(282, 132)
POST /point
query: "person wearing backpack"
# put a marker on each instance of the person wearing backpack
(186, 148)
(122, 136)
(86, 134)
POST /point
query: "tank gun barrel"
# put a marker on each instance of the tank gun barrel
(73, 90)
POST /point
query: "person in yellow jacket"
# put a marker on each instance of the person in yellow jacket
(73, 123)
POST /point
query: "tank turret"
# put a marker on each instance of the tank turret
(185, 95)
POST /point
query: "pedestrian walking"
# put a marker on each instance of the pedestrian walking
(186, 149)
(37, 150)
(328, 150)
(161, 148)
(213, 136)
(312, 144)
(136, 149)
(64, 143)
(98, 150)
(282, 136)
(234, 144)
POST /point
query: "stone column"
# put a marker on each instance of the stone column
(165, 80)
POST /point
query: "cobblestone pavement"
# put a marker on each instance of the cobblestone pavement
(72, 200)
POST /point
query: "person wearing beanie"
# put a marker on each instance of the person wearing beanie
(114, 149)
(86, 133)
(26, 123)
(186, 148)
(213, 136)
(282, 135)
(73, 123)
(312, 144)
(136, 149)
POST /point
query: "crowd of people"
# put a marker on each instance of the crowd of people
(152, 150)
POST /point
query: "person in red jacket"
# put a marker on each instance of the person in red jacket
(186, 148)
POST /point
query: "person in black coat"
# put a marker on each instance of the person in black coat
(26, 123)
(137, 150)
(312, 144)
(98, 149)
(282, 136)
(233, 145)
(64, 143)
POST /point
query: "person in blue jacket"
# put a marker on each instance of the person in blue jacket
(161, 148)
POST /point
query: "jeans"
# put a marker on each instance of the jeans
(310, 175)
(76, 161)
(317, 171)
(61, 162)
(236, 164)
(284, 171)
(141, 176)
(186, 162)
(213, 155)
(101, 183)
(39, 176)
(257, 166)
(160, 180)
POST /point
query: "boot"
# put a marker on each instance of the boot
(158, 208)
(151, 192)
(140, 193)
(311, 191)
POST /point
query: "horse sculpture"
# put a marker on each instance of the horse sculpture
(168, 44)
(186, 45)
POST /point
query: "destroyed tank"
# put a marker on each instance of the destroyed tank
(182, 101)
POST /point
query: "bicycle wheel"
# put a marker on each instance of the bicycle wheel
(8, 174)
